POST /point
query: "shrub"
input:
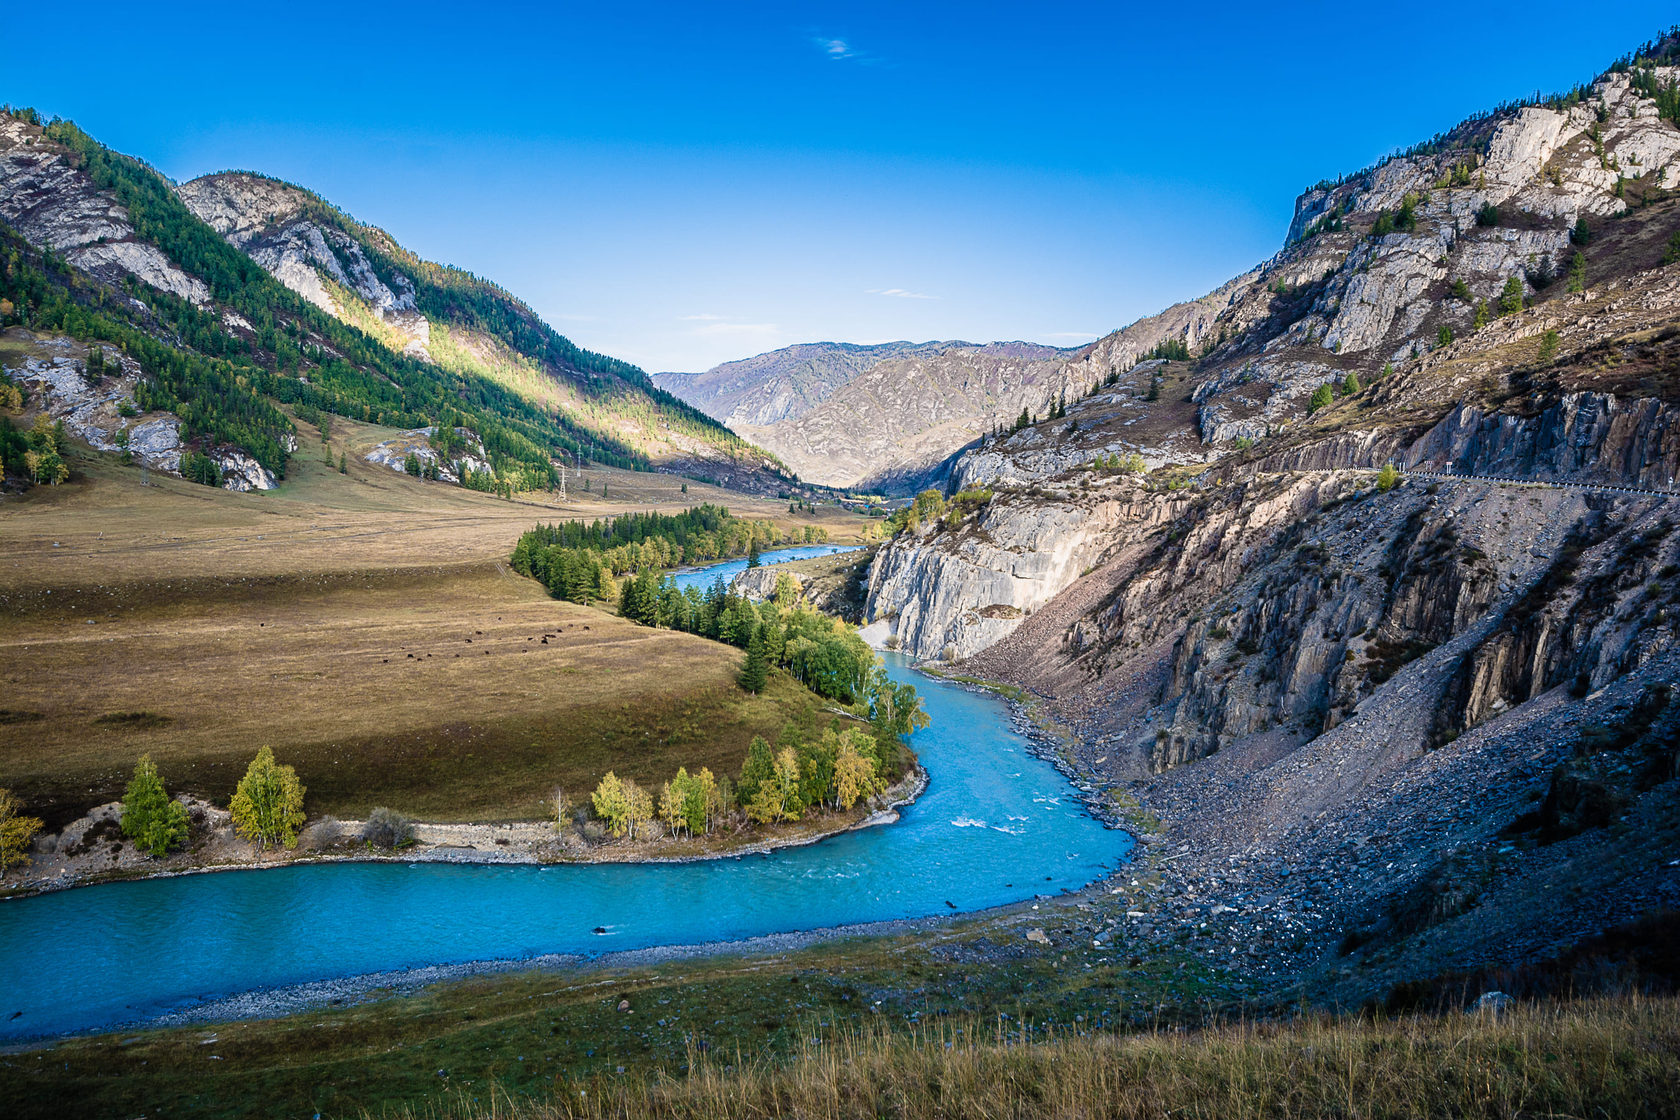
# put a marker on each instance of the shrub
(17, 831)
(1387, 479)
(1488, 215)
(1321, 398)
(1444, 336)
(1351, 384)
(1548, 345)
(386, 828)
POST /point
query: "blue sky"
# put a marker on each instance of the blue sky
(681, 184)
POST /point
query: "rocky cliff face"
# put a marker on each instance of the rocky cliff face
(1280, 600)
(1375, 705)
(271, 222)
(53, 203)
(394, 453)
(100, 409)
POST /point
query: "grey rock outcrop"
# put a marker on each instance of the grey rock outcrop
(393, 454)
(271, 222)
(759, 584)
(92, 409)
(55, 205)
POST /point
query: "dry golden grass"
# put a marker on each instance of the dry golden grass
(365, 625)
(1608, 1058)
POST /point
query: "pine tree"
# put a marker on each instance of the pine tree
(1511, 298)
(1351, 385)
(760, 765)
(342, 464)
(1321, 398)
(1482, 316)
(149, 817)
(1578, 273)
(755, 673)
(752, 554)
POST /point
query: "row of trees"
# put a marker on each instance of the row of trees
(267, 809)
(267, 806)
(834, 771)
(579, 562)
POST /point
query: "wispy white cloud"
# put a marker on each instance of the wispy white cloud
(836, 49)
(701, 318)
(737, 330)
(900, 293)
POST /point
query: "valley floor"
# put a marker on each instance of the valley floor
(365, 626)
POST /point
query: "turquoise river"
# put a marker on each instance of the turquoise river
(996, 825)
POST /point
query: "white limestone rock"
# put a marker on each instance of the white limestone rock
(393, 453)
(55, 205)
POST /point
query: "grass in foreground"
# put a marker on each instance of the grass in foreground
(1618, 1058)
(534, 1033)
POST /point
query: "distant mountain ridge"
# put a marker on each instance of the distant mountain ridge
(783, 384)
(886, 416)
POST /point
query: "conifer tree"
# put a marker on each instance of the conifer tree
(1511, 298)
(755, 672)
(760, 765)
(149, 817)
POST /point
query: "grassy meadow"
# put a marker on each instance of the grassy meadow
(365, 625)
(894, 1027)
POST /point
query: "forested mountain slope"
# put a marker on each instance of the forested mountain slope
(279, 297)
(1408, 714)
